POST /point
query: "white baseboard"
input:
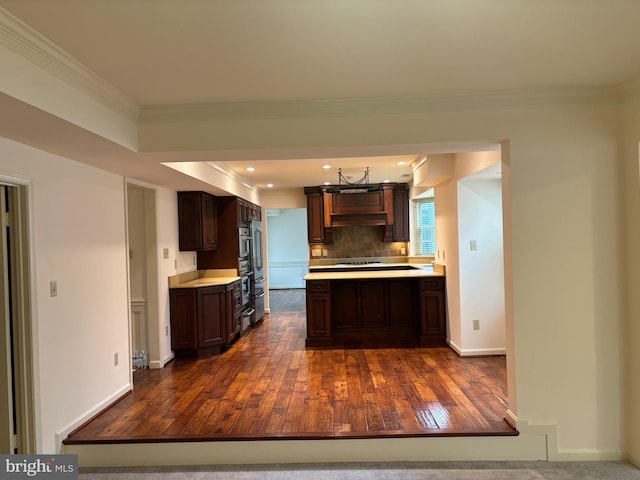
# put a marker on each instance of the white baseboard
(164, 361)
(70, 427)
(554, 453)
(476, 352)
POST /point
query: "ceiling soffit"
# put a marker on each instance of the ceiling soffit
(36, 48)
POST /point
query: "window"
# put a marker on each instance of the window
(425, 231)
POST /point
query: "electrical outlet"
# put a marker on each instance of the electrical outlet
(473, 245)
(324, 252)
(476, 324)
(166, 330)
(165, 253)
(53, 288)
(403, 251)
(115, 359)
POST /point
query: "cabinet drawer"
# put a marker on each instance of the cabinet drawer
(435, 283)
(318, 286)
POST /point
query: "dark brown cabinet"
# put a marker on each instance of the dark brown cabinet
(197, 221)
(233, 213)
(210, 317)
(318, 313)
(370, 311)
(204, 319)
(433, 327)
(182, 305)
(401, 213)
(316, 233)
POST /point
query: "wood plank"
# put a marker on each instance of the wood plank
(269, 386)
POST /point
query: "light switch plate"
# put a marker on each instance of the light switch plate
(53, 288)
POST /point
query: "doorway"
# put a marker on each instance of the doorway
(143, 274)
(16, 366)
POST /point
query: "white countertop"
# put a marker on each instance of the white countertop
(370, 271)
(204, 278)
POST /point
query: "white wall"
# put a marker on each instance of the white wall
(78, 239)
(481, 270)
(630, 260)
(287, 248)
(470, 209)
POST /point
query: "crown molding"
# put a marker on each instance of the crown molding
(223, 169)
(39, 50)
(373, 106)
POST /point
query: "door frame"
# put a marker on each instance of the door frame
(24, 329)
(152, 294)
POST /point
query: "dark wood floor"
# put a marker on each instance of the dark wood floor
(269, 386)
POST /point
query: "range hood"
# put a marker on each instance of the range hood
(380, 205)
(350, 205)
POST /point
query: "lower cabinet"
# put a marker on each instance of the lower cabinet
(318, 313)
(433, 325)
(203, 320)
(369, 311)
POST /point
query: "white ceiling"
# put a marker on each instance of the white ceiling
(161, 52)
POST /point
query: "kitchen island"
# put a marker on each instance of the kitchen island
(375, 304)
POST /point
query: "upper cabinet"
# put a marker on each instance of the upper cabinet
(316, 233)
(247, 212)
(385, 205)
(197, 221)
(233, 213)
(401, 212)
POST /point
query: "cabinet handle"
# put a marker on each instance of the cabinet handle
(261, 295)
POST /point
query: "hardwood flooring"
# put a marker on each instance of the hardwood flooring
(268, 385)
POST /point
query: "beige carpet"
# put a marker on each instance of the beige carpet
(386, 471)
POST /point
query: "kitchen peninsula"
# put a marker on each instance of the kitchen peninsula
(373, 303)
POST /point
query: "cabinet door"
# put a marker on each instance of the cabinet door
(401, 213)
(210, 316)
(318, 310)
(315, 218)
(209, 223)
(197, 221)
(182, 307)
(318, 315)
(432, 311)
(190, 221)
(229, 318)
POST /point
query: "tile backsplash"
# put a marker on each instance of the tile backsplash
(359, 241)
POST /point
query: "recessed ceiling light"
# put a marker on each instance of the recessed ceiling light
(269, 185)
(250, 169)
(326, 167)
(327, 183)
(386, 181)
(401, 163)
